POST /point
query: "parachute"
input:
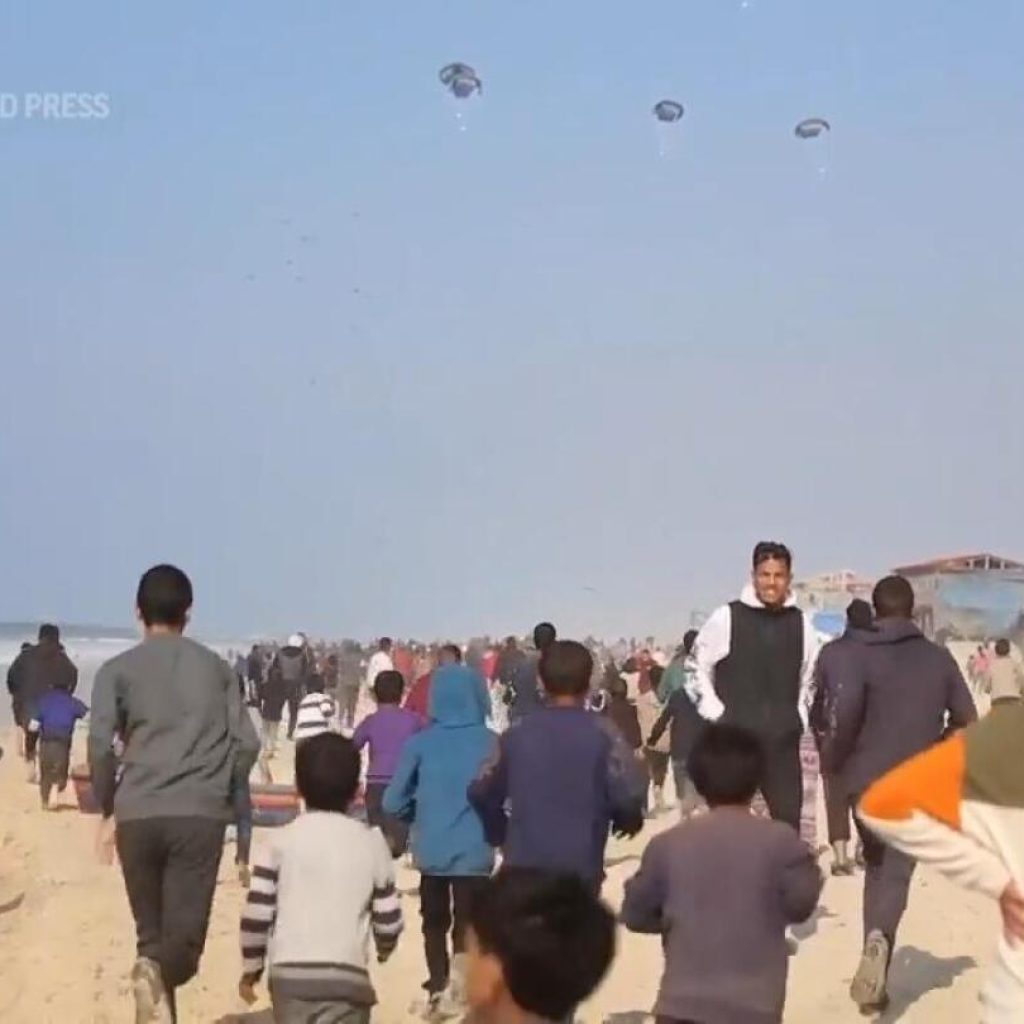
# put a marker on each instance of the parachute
(811, 128)
(460, 80)
(668, 111)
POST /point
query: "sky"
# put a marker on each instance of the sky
(361, 366)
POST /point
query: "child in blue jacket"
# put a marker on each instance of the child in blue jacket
(428, 790)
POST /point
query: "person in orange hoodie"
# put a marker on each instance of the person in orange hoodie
(959, 807)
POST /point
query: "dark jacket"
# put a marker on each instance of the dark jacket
(559, 780)
(829, 671)
(526, 695)
(721, 890)
(34, 672)
(293, 666)
(892, 694)
(622, 711)
(686, 723)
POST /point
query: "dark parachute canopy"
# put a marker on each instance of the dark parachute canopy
(668, 111)
(812, 128)
(460, 80)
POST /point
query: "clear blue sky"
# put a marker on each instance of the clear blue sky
(577, 380)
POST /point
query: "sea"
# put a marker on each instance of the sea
(87, 646)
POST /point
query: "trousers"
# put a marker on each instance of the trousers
(783, 786)
(170, 873)
(444, 906)
(288, 1010)
(396, 832)
(837, 809)
(887, 877)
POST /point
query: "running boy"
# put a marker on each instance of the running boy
(566, 775)
(317, 711)
(175, 706)
(721, 890)
(320, 909)
(448, 844)
(386, 732)
(539, 944)
(54, 723)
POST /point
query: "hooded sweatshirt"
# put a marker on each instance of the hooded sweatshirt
(892, 699)
(433, 774)
(755, 666)
(960, 808)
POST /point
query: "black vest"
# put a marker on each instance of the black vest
(759, 680)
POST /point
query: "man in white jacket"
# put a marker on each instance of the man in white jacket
(755, 666)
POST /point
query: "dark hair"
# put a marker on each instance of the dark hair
(726, 765)
(327, 772)
(893, 598)
(1002, 648)
(315, 684)
(544, 635)
(164, 597)
(689, 639)
(566, 668)
(859, 614)
(454, 650)
(49, 632)
(388, 687)
(385, 643)
(769, 550)
(554, 939)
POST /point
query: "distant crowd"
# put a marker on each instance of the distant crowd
(503, 771)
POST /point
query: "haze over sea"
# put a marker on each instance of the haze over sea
(87, 646)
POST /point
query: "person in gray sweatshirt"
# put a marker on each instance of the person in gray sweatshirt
(721, 890)
(187, 739)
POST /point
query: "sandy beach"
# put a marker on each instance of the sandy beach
(67, 940)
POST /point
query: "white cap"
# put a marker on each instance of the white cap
(296, 640)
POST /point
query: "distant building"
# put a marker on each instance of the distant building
(826, 597)
(969, 597)
(831, 591)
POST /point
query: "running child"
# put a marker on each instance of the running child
(721, 890)
(319, 910)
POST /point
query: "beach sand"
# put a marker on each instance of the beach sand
(67, 938)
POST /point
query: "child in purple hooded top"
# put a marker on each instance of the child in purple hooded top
(386, 732)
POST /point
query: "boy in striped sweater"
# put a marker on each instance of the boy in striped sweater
(959, 807)
(318, 890)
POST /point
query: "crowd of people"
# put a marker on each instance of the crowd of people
(503, 771)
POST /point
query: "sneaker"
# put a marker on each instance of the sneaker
(868, 988)
(441, 1007)
(151, 1006)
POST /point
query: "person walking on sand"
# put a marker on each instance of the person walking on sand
(720, 891)
(428, 792)
(37, 670)
(755, 667)
(827, 674)
(1005, 676)
(892, 701)
(176, 708)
